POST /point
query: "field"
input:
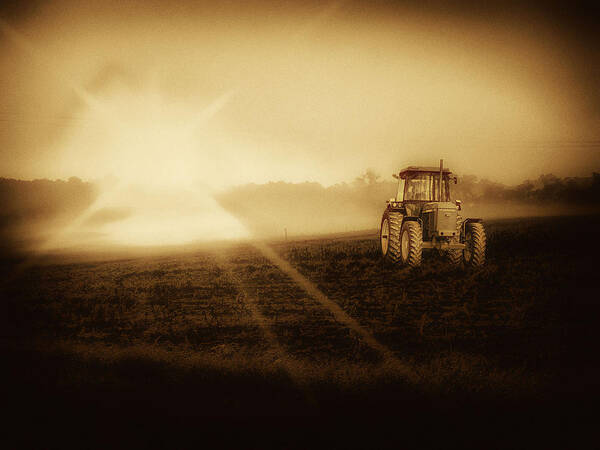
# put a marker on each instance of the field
(306, 343)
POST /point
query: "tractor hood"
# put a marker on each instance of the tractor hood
(440, 218)
(438, 205)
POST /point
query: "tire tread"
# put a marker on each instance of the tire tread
(415, 236)
(395, 219)
(478, 246)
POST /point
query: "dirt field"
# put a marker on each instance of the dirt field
(314, 331)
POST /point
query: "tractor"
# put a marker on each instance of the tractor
(423, 217)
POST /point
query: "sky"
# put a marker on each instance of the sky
(198, 94)
(159, 101)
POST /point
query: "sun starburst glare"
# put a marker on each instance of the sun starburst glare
(165, 170)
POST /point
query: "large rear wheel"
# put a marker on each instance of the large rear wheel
(474, 252)
(389, 236)
(411, 243)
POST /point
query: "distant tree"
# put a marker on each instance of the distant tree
(368, 178)
(466, 188)
(522, 192)
(552, 188)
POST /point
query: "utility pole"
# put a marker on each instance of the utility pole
(285, 231)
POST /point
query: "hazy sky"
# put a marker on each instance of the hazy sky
(190, 94)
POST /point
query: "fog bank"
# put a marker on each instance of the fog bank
(309, 208)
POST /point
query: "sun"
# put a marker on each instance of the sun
(165, 170)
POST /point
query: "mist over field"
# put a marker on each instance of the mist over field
(32, 211)
(37, 211)
(310, 208)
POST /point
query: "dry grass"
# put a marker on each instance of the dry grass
(500, 329)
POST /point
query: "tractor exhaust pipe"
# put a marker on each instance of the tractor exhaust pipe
(441, 172)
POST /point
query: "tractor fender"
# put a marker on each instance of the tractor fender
(467, 221)
(413, 219)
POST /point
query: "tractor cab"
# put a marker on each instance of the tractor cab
(424, 192)
(422, 184)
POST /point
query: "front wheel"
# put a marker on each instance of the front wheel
(411, 243)
(474, 252)
(389, 236)
(454, 257)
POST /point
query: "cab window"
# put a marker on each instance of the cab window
(400, 193)
(424, 186)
